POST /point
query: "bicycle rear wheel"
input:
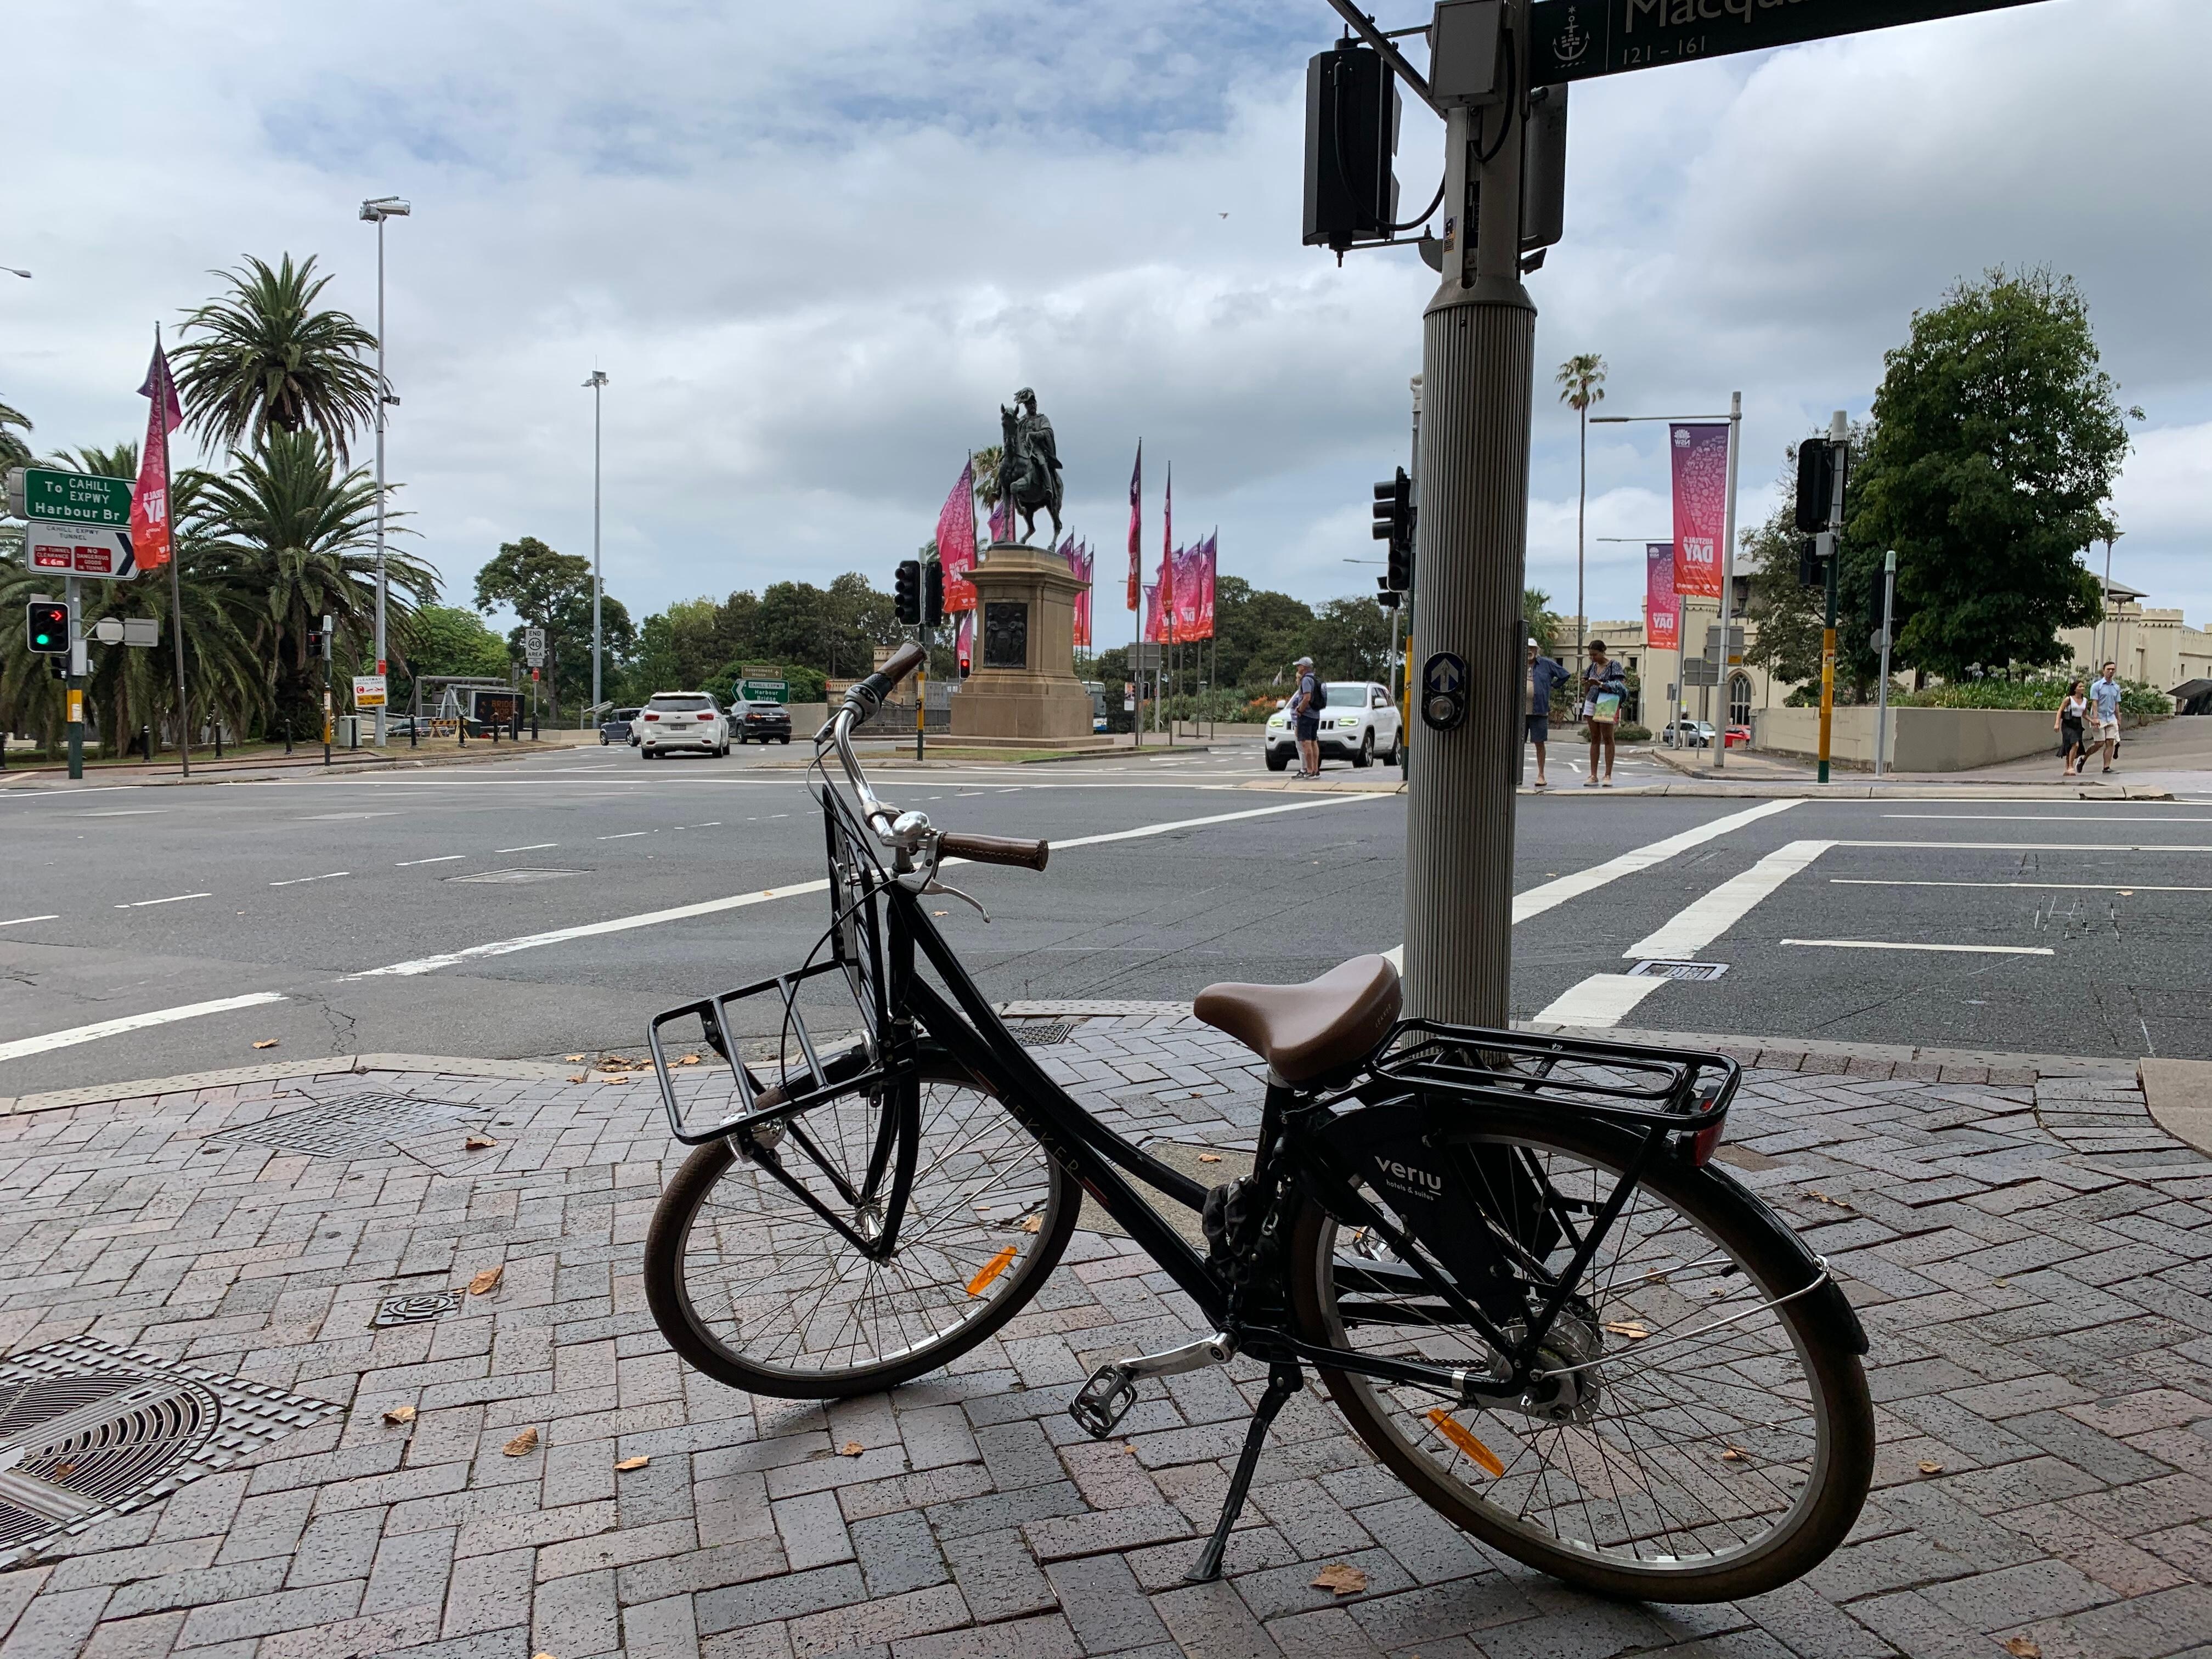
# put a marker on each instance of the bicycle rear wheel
(1714, 1440)
(755, 1288)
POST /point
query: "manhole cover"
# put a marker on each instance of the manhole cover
(352, 1127)
(1043, 1033)
(530, 874)
(90, 1428)
(1697, 970)
(418, 1307)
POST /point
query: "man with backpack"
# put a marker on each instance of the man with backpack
(1306, 704)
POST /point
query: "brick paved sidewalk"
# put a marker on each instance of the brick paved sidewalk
(2029, 1251)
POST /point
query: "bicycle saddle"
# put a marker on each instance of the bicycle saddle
(1307, 1031)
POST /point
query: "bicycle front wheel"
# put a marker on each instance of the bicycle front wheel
(1710, 1439)
(751, 1284)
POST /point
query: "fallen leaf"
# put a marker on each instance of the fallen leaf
(1339, 1579)
(1209, 1157)
(1820, 1197)
(2023, 1647)
(477, 1143)
(1129, 1450)
(1927, 1467)
(523, 1444)
(2125, 892)
(1622, 1327)
(266, 1042)
(630, 1463)
(62, 1471)
(851, 1449)
(689, 1059)
(541, 1656)
(941, 913)
(573, 1060)
(400, 1414)
(1033, 1224)
(614, 1080)
(486, 1282)
(1734, 1454)
(580, 1078)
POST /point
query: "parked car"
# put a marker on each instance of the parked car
(683, 720)
(618, 727)
(1359, 723)
(1698, 734)
(762, 722)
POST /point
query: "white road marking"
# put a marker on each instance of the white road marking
(409, 864)
(2070, 886)
(2021, 846)
(1601, 1000)
(124, 812)
(626, 835)
(534, 847)
(107, 1028)
(176, 898)
(2027, 818)
(1701, 921)
(296, 880)
(17, 921)
(741, 901)
(1885, 944)
(1551, 894)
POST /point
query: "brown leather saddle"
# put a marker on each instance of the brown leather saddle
(1307, 1031)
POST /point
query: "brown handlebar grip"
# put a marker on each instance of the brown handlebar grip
(996, 849)
(904, 661)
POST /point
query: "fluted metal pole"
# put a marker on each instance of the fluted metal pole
(1477, 363)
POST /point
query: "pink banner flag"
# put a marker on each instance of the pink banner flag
(1136, 527)
(1208, 574)
(1085, 560)
(956, 541)
(1189, 591)
(150, 501)
(1700, 455)
(1662, 612)
(1167, 555)
(1151, 613)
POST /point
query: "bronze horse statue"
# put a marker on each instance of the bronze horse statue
(1028, 463)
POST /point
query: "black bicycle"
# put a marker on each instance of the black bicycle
(1509, 1259)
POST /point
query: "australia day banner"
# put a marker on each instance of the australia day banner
(956, 541)
(1662, 612)
(1700, 455)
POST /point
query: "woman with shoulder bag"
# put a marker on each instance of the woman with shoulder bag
(1605, 687)
(2073, 711)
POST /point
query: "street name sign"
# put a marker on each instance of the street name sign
(79, 550)
(70, 498)
(1577, 39)
(368, 690)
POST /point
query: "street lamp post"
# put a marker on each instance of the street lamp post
(376, 211)
(12, 271)
(596, 383)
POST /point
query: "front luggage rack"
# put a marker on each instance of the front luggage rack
(1671, 1088)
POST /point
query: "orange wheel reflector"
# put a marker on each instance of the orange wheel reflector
(997, 1265)
(1453, 1431)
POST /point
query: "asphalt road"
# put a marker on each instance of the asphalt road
(517, 909)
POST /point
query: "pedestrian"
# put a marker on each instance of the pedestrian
(1605, 687)
(1306, 704)
(2073, 709)
(2105, 695)
(1545, 675)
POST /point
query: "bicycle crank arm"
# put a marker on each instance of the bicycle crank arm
(1104, 1400)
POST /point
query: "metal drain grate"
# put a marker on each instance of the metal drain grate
(1042, 1033)
(1691, 970)
(519, 875)
(353, 1127)
(418, 1307)
(90, 1429)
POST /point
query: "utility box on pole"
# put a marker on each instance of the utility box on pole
(1351, 134)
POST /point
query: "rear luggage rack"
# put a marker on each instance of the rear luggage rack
(1675, 1090)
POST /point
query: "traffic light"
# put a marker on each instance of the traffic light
(1389, 598)
(318, 644)
(908, 590)
(47, 626)
(1809, 572)
(1816, 484)
(932, 593)
(1351, 134)
(1393, 523)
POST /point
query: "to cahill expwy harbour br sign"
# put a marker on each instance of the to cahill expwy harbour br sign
(1575, 39)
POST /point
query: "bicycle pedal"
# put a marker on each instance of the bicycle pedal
(1101, 1404)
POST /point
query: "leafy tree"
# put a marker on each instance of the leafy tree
(268, 360)
(1998, 442)
(1351, 641)
(1545, 624)
(446, 639)
(1260, 633)
(14, 426)
(553, 590)
(121, 461)
(985, 461)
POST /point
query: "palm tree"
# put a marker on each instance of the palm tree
(267, 361)
(119, 462)
(303, 537)
(986, 474)
(14, 452)
(1582, 381)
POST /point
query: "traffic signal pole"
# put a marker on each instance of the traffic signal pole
(1478, 361)
(1839, 434)
(73, 682)
(921, 695)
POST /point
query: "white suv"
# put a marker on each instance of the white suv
(1359, 724)
(682, 719)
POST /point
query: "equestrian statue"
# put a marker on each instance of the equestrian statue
(1028, 463)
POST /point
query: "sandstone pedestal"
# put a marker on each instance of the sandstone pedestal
(1022, 692)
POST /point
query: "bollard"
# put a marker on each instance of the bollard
(413, 722)
(218, 739)
(534, 725)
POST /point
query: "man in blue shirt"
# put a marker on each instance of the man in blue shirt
(2105, 700)
(1545, 675)
(1305, 718)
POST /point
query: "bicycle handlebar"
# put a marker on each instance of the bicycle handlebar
(994, 849)
(866, 696)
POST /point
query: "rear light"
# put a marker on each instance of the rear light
(1707, 1140)
(653, 717)
(705, 717)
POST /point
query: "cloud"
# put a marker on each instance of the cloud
(814, 253)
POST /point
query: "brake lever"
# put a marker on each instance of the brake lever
(923, 882)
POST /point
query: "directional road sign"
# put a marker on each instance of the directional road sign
(72, 498)
(79, 550)
(1577, 39)
(754, 690)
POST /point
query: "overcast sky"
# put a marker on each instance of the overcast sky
(815, 249)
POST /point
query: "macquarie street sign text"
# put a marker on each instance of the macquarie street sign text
(1576, 39)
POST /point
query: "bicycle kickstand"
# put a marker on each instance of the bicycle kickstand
(1284, 1379)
